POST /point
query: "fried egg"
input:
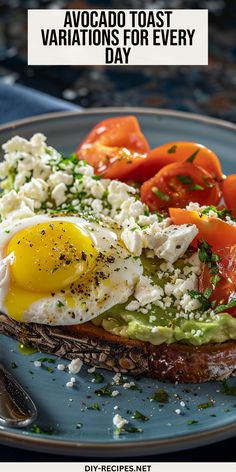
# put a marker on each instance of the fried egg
(63, 270)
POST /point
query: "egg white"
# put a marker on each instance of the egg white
(120, 275)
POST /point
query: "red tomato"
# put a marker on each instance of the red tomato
(227, 263)
(224, 291)
(178, 152)
(115, 147)
(216, 232)
(178, 184)
(229, 191)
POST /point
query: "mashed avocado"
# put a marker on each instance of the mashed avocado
(163, 324)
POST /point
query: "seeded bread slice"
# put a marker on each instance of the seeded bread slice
(94, 346)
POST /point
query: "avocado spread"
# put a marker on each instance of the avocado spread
(168, 323)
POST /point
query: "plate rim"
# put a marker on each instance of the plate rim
(128, 448)
(126, 110)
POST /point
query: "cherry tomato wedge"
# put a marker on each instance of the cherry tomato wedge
(115, 147)
(178, 184)
(216, 232)
(222, 293)
(227, 263)
(178, 152)
(229, 191)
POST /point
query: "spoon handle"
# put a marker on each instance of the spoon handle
(16, 407)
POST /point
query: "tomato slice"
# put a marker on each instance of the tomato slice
(178, 152)
(178, 184)
(115, 147)
(216, 232)
(229, 190)
(222, 293)
(227, 263)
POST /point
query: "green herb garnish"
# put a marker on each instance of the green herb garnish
(203, 298)
(14, 365)
(192, 157)
(132, 429)
(226, 307)
(94, 406)
(161, 195)
(196, 187)
(60, 304)
(192, 422)
(79, 425)
(47, 359)
(104, 391)
(185, 179)
(98, 378)
(172, 149)
(227, 389)
(139, 416)
(203, 406)
(207, 256)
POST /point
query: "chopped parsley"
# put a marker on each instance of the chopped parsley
(203, 298)
(192, 157)
(172, 149)
(79, 425)
(104, 391)
(35, 428)
(185, 179)
(160, 396)
(203, 406)
(161, 195)
(14, 365)
(192, 422)
(225, 307)
(60, 304)
(221, 214)
(94, 406)
(227, 389)
(98, 378)
(47, 359)
(196, 187)
(208, 257)
(139, 416)
(132, 429)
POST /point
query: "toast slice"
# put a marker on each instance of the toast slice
(176, 362)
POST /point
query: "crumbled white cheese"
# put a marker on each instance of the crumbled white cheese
(114, 393)
(70, 384)
(61, 366)
(178, 239)
(119, 422)
(59, 194)
(147, 292)
(75, 366)
(37, 363)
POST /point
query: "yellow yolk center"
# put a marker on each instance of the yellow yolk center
(47, 257)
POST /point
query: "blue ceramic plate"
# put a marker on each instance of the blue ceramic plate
(67, 420)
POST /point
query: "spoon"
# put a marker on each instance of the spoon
(16, 407)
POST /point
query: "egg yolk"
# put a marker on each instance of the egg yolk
(47, 257)
(50, 256)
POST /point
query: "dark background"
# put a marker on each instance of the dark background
(208, 89)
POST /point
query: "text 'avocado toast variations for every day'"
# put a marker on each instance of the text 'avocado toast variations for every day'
(121, 256)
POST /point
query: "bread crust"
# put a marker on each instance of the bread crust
(175, 362)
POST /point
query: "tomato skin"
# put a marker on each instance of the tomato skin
(162, 156)
(222, 293)
(229, 191)
(176, 184)
(115, 147)
(216, 232)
